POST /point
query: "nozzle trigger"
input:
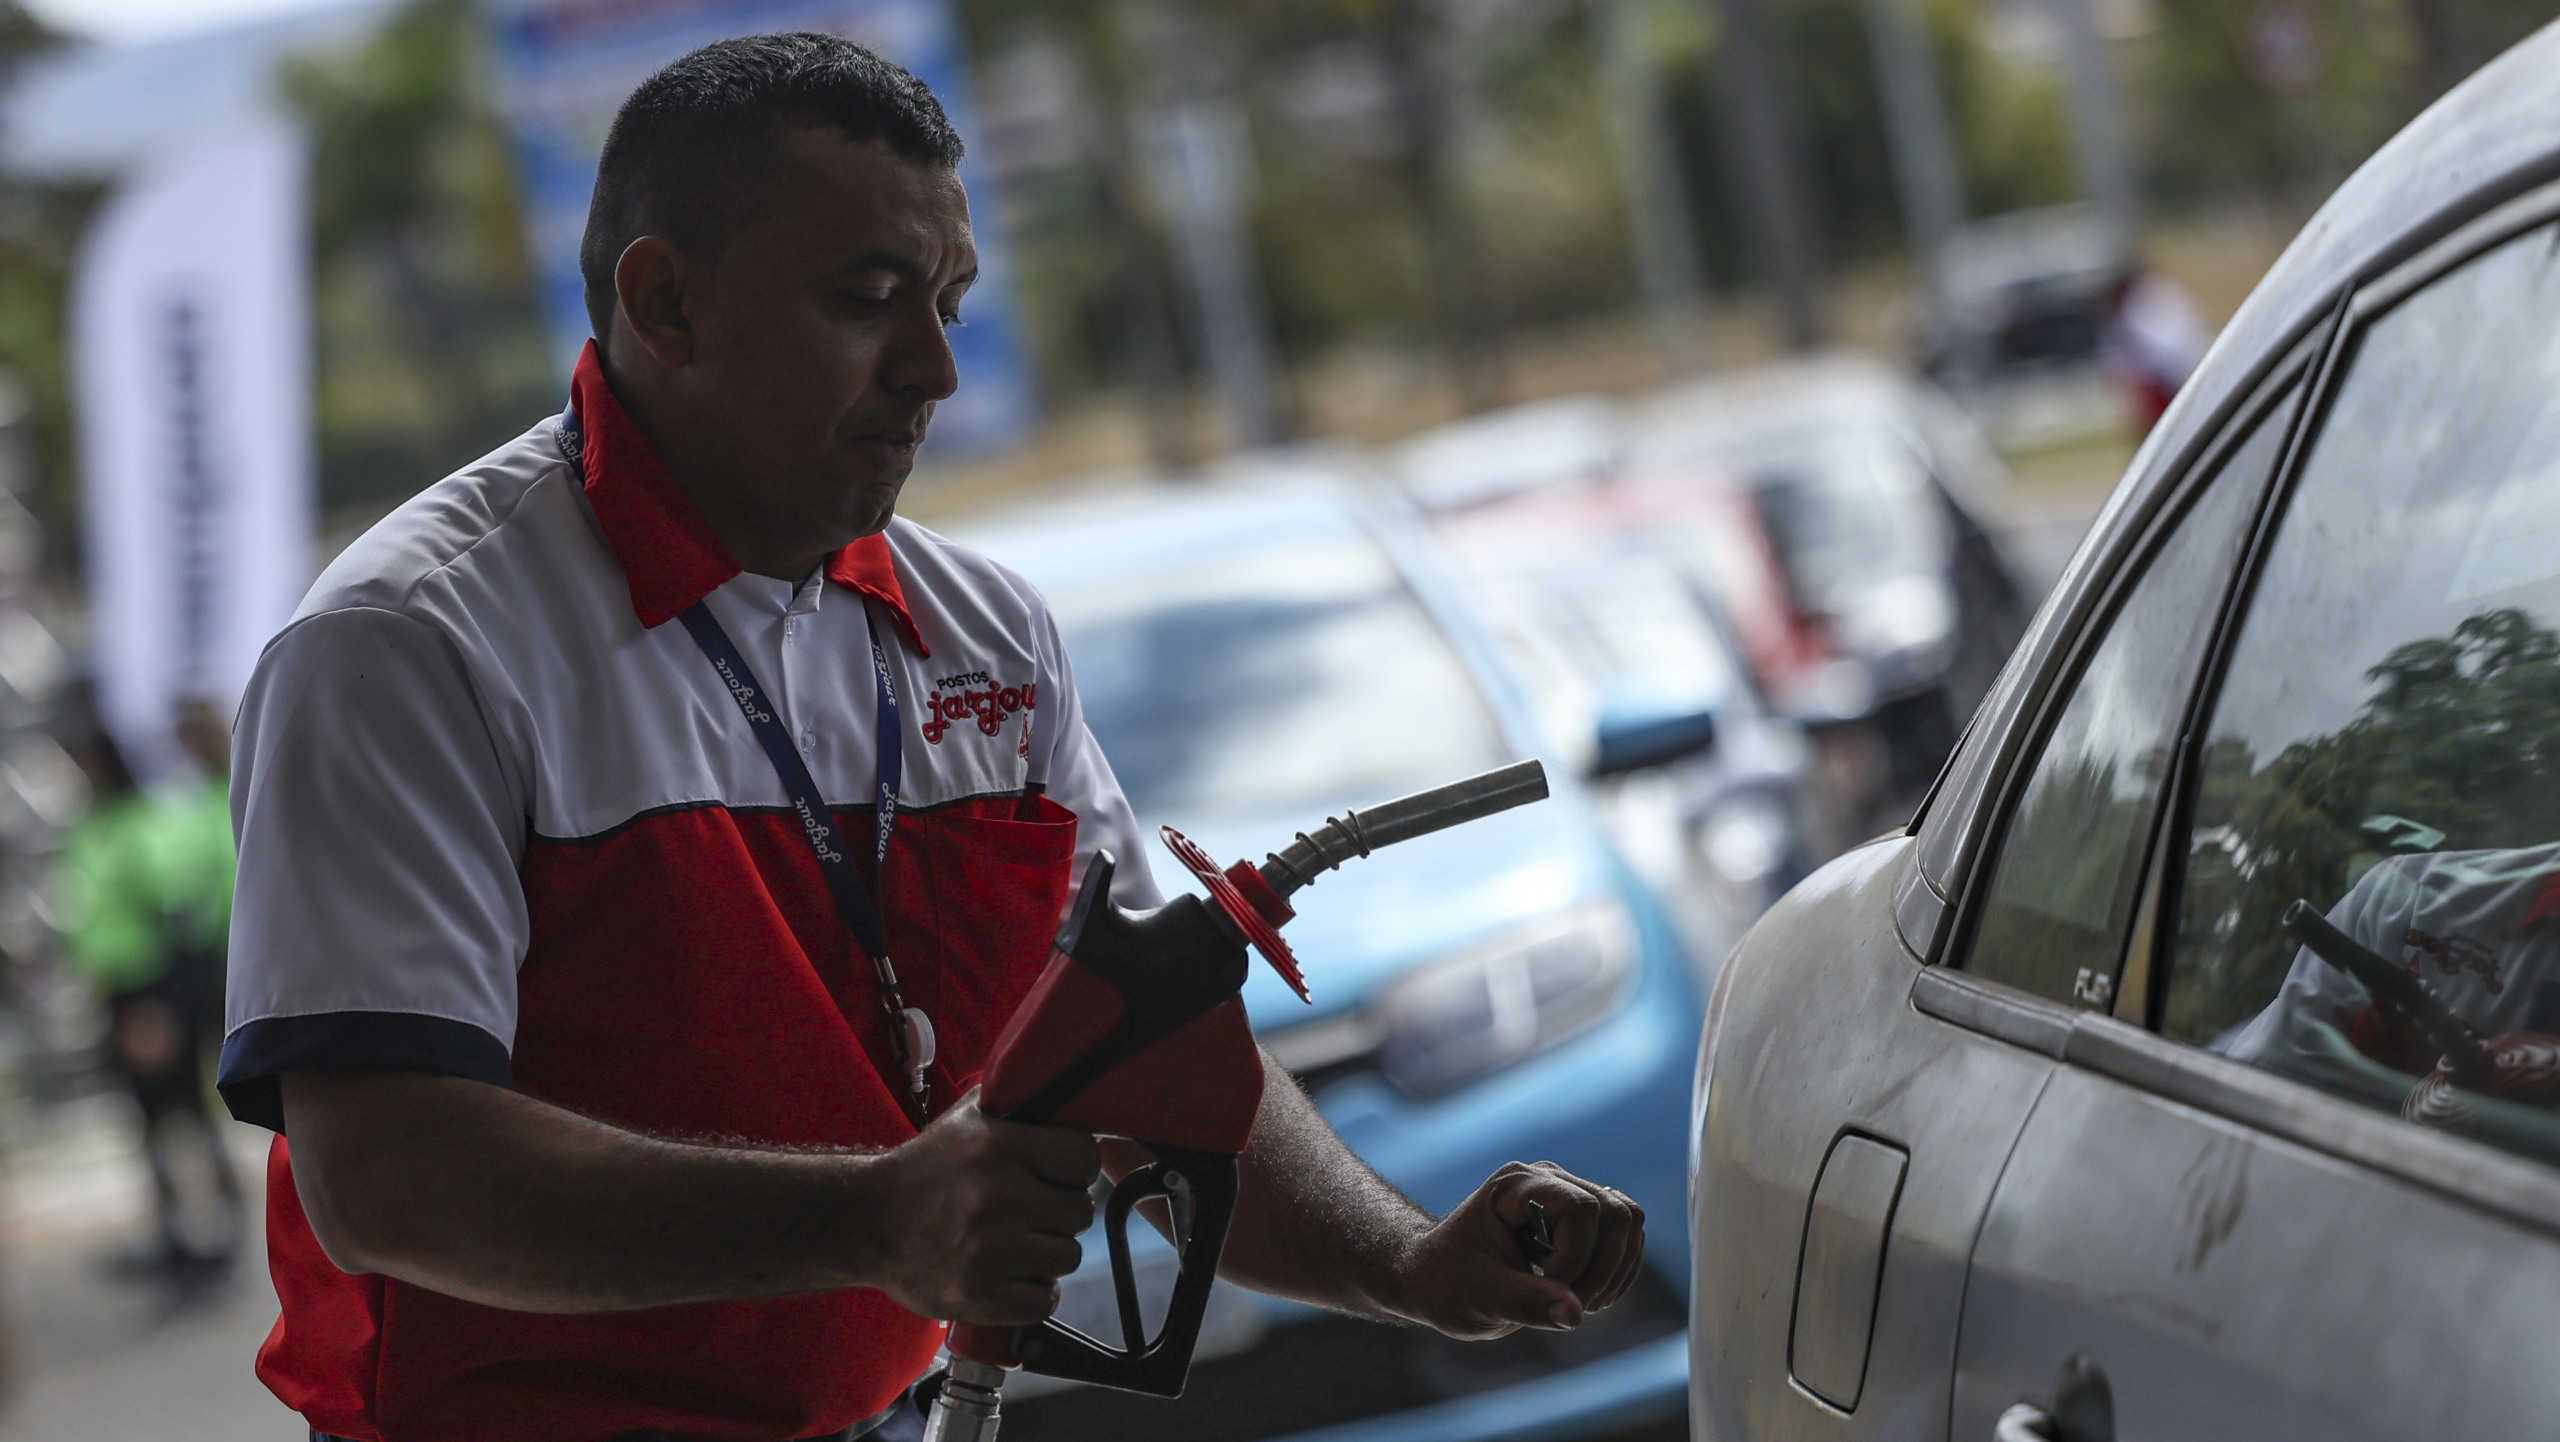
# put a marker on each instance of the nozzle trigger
(1183, 1206)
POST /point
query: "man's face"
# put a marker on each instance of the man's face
(819, 345)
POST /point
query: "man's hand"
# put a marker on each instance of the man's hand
(978, 1217)
(1467, 1276)
(1314, 1224)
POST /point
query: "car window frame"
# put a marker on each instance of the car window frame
(2277, 399)
(2130, 1049)
(1967, 807)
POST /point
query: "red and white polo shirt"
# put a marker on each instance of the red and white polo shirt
(498, 819)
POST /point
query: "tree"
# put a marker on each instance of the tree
(431, 346)
(2461, 735)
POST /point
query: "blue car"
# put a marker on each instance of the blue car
(1252, 657)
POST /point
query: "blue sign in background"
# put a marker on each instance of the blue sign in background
(564, 67)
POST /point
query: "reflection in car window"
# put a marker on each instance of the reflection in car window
(2386, 748)
(1289, 680)
(2069, 867)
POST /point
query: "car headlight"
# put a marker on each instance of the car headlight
(1516, 995)
(1747, 839)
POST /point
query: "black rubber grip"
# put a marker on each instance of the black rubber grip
(1357, 833)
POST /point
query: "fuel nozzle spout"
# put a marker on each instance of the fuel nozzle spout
(1253, 901)
(1357, 833)
(969, 1406)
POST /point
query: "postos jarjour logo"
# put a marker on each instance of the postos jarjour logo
(975, 696)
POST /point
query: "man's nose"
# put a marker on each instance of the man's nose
(918, 360)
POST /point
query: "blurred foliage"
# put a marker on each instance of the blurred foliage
(1351, 249)
(431, 349)
(2461, 734)
(2273, 100)
(40, 225)
(2285, 97)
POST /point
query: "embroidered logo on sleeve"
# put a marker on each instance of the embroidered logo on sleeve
(975, 697)
(2453, 955)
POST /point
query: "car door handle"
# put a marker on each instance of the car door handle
(2025, 1422)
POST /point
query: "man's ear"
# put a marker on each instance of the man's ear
(651, 283)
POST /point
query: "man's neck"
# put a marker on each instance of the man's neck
(697, 474)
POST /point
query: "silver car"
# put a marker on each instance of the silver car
(2190, 1068)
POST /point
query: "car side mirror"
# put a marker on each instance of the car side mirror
(1630, 740)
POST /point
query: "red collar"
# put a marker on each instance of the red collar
(668, 554)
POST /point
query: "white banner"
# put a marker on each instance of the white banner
(191, 354)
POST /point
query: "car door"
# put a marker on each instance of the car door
(1859, 1107)
(1846, 1151)
(2258, 1199)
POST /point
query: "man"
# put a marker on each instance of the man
(144, 887)
(604, 1120)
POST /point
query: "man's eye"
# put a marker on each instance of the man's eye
(866, 303)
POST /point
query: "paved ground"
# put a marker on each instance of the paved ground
(93, 1357)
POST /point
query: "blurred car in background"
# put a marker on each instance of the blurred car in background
(1632, 667)
(2019, 307)
(1250, 654)
(1865, 485)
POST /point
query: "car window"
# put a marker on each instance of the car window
(1284, 680)
(2063, 885)
(2385, 750)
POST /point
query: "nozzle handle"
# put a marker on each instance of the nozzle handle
(2465, 1052)
(1357, 833)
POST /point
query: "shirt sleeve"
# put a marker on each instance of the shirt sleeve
(378, 921)
(1066, 758)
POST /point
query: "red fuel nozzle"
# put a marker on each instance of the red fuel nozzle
(1135, 1030)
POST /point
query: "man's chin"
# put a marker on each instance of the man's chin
(871, 505)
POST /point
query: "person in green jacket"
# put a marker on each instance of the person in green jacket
(145, 894)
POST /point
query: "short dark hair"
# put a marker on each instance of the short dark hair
(692, 146)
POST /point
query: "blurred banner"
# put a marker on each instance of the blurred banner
(564, 67)
(191, 341)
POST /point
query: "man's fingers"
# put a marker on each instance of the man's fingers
(1573, 1211)
(1037, 1257)
(1519, 1299)
(1631, 1263)
(1014, 1304)
(1635, 1257)
(1039, 1206)
(1598, 1232)
(1619, 1251)
(1060, 1156)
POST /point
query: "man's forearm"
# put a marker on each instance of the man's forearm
(495, 1197)
(1313, 1222)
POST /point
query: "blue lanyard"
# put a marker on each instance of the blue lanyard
(911, 1027)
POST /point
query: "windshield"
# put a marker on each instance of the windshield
(1620, 628)
(1845, 509)
(1289, 680)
